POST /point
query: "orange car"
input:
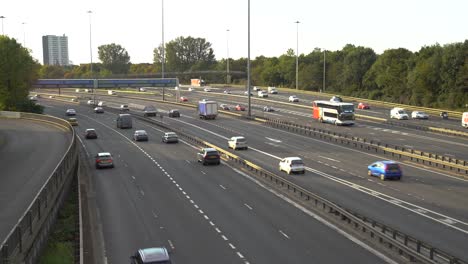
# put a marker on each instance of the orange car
(363, 106)
(240, 108)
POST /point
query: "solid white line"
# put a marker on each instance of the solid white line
(318, 218)
(284, 234)
(329, 158)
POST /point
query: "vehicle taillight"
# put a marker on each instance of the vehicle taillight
(98, 160)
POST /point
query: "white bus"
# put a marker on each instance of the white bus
(337, 113)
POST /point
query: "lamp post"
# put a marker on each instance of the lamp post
(248, 57)
(24, 35)
(91, 57)
(163, 49)
(297, 54)
(2, 17)
(323, 88)
(227, 65)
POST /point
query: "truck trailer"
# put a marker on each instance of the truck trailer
(207, 109)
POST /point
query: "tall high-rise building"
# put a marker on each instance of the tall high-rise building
(55, 50)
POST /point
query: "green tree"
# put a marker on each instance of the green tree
(18, 70)
(183, 54)
(51, 72)
(114, 58)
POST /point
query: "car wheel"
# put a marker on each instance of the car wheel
(369, 173)
(219, 162)
(382, 177)
(97, 167)
(399, 178)
(303, 172)
(204, 163)
(289, 172)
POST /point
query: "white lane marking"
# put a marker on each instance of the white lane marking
(232, 246)
(284, 234)
(274, 140)
(171, 244)
(154, 214)
(203, 172)
(382, 196)
(318, 218)
(211, 223)
(240, 255)
(217, 230)
(224, 237)
(142, 192)
(329, 158)
(84, 147)
(248, 206)
(222, 187)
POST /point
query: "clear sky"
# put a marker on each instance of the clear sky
(329, 24)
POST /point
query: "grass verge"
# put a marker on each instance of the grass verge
(60, 248)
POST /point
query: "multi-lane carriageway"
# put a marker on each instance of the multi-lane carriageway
(427, 204)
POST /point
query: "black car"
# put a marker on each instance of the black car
(209, 156)
(140, 135)
(90, 133)
(444, 115)
(99, 110)
(174, 113)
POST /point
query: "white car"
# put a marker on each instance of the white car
(237, 143)
(33, 98)
(419, 115)
(191, 89)
(292, 165)
(255, 88)
(293, 98)
(207, 89)
(336, 98)
(91, 102)
(247, 93)
(262, 94)
(101, 103)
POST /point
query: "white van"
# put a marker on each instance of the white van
(398, 113)
(465, 119)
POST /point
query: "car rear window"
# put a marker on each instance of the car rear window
(212, 153)
(297, 162)
(242, 140)
(393, 167)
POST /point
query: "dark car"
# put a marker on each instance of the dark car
(209, 156)
(386, 169)
(149, 111)
(90, 133)
(140, 135)
(156, 255)
(99, 110)
(104, 160)
(174, 113)
(444, 115)
(170, 137)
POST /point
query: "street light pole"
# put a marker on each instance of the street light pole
(248, 58)
(227, 66)
(2, 17)
(297, 54)
(24, 35)
(323, 89)
(163, 49)
(91, 57)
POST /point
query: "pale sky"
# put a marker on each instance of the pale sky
(329, 24)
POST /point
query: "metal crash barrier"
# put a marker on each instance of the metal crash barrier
(29, 235)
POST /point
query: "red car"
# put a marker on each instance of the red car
(183, 99)
(240, 108)
(363, 106)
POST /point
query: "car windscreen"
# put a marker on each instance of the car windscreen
(347, 108)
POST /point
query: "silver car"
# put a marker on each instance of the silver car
(170, 137)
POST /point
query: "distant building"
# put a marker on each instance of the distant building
(55, 50)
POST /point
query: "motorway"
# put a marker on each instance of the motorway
(159, 195)
(29, 152)
(428, 204)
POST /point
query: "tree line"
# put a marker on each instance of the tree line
(434, 76)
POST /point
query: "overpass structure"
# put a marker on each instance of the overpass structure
(105, 83)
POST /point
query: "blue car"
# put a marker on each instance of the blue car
(385, 170)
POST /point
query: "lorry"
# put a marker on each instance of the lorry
(272, 90)
(207, 109)
(399, 113)
(197, 82)
(465, 119)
